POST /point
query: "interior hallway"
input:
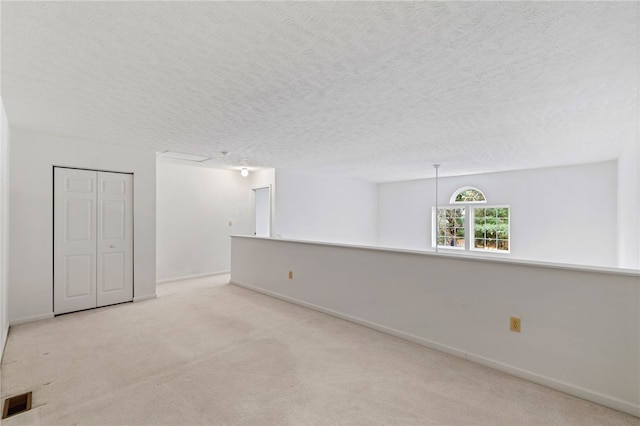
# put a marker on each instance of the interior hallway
(206, 352)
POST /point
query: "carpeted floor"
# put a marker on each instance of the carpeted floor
(208, 353)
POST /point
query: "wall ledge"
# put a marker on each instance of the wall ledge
(470, 257)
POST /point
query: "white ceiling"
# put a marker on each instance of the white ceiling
(376, 91)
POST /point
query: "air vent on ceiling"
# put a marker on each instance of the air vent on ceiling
(183, 156)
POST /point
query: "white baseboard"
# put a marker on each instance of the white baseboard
(191, 277)
(559, 385)
(141, 298)
(31, 319)
(5, 337)
(598, 398)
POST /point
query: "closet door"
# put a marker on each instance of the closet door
(74, 213)
(93, 239)
(115, 238)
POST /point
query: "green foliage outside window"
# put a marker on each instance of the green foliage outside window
(491, 228)
(488, 226)
(469, 195)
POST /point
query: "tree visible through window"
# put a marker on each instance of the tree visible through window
(489, 225)
(491, 228)
(451, 227)
(468, 194)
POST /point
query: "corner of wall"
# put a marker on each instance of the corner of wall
(4, 228)
(628, 195)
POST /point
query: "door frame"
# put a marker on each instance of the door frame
(253, 209)
(53, 228)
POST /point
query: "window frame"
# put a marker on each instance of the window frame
(434, 218)
(453, 201)
(472, 229)
(469, 230)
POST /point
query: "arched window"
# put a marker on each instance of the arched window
(488, 226)
(468, 195)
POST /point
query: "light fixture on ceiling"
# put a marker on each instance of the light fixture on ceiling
(183, 156)
(244, 172)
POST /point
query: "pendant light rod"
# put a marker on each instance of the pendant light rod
(437, 166)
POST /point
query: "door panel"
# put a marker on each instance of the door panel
(78, 275)
(79, 184)
(113, 220)
(74, 262)
(115, 238)
(79, 221)
(113, 268)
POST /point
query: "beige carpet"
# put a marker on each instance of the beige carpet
(208, 353)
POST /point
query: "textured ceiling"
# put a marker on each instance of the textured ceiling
(376, 91)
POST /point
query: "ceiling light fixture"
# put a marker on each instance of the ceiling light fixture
(183, 156)
(244, 172)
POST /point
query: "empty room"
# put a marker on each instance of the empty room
(320, 213)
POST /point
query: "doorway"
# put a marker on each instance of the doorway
(92, 239)
(262, 212)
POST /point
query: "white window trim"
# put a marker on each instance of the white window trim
(471, 218)
(434, 231)
(453, 201)
(469, 231)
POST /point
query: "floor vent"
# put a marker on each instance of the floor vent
(16, 405)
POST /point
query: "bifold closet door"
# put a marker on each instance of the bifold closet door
(115, 239)
(74, 240)
(93, 239)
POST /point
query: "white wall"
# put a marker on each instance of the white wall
(325, 208)
(580, 329)
(629, 206)
(33, 156)
(561, 214)
(4, 228)
(194, 207)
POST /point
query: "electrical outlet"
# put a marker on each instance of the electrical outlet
(290, 275)
(230, 223)
(514, 324)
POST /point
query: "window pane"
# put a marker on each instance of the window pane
(491, 228)
(503, 232)
(469, 194)
(450, 223)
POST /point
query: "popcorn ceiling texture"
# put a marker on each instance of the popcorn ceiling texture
(376, 91)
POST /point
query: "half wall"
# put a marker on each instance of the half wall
(580, 326)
